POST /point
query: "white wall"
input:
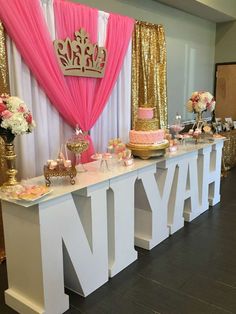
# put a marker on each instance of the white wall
(227, 6)
(190, 47)
(225, 42)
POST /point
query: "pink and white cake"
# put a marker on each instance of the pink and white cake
(146, 121)
(146, 130)
(146, 137)
(145, 113)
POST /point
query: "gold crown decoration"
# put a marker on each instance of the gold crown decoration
(79, 57)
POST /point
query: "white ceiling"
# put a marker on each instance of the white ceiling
(199, 9)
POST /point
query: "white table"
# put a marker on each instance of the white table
(79, 235)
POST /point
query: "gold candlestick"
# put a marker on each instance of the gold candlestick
(10, 158)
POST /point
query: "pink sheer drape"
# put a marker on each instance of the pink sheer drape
(29, 31)
(93, 94)
(79, 100)
(119, 31)
(25, 24)
(71, 17)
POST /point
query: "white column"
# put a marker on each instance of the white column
(191, 191)
(121, 222)
(176, 201)
(31, 289)
(85, 240)
(34, 241)
(215, 173)
(152, 193)
(183, 199)
(209, 169)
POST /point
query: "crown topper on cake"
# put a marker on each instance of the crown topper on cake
(79, 57)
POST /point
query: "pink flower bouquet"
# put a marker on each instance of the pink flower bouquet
(201, 101)
(15, 118)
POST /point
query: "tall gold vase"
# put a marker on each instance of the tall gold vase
(10, 158)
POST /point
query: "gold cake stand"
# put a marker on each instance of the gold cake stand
(148, 151)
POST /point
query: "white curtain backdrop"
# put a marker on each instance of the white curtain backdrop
(115, 120)
(51, 133)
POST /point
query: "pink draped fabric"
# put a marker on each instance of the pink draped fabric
(29, 31)
(93, 94)
(119, 32)
(79, 100)
(25, 24)
(71, 17)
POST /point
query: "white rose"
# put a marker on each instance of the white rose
(207, 96)
(201, 106)
(14, 103)
(16, 123)
(189, 106)
(212, 106)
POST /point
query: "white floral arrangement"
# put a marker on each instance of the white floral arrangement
(14, 116)
(201, 101)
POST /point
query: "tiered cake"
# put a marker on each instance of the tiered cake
(147, 139)
(146, 128)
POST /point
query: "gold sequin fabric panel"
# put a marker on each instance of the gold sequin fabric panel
(149, 70)
(4, 88)
(146, 125)
(4, 85)
(229, 150)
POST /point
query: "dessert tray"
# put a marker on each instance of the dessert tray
(28, 193)
(148, 151)
(103, 157)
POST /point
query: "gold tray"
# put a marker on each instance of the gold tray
(59, 171)
(148, 151)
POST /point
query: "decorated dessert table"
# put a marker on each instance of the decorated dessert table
(77, 236)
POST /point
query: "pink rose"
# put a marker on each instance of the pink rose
(3, 107)
(6, 114)
(29, 118)
(21, 108)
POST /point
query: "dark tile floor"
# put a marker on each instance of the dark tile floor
(192, 272)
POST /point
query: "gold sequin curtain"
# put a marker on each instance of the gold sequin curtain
(149, 70)
(229, 150)
(4, 88)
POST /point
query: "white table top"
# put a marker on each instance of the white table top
(95, 175)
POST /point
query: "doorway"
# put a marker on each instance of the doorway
(225, 90)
